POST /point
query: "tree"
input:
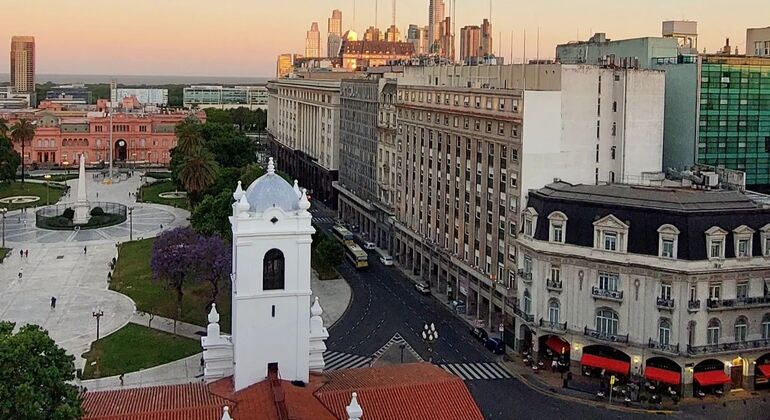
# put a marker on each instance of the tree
(330, 252)
(35, 376)
(251, 173)
(9, 159)
(171, 262)
(188, 134)
(230, 147)
(198, 172)
(210, 217)
(212, 262)
(3, 128)
(23, 132)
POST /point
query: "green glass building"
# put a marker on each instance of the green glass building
(734, 116)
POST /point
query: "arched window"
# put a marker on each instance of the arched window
(664, 332)
(527, 302)
(607, 322)
(766, 327)
(691, 333)
(272, 270)
(741, 328)
(553, 311)
(713, 331)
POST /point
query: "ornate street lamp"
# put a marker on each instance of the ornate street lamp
(97, 313)
(3, 211)
(429, 335)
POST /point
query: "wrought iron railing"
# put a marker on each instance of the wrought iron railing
(665, 303)
(693, 305)
(729, 347)
(553, 326)
(665, 348)
(525, 316)
(554, 285)
(747, 302)
(606, 293)
(600, 335)
(525, 275)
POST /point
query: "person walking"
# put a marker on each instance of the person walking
(21, 270)
(26, 253)
(53, 302)
(21, 253)
(85, 250)
(553, 365)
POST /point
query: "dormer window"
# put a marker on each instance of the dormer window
(743, 236)
(668, 241)
(715, 242)
(530, 222)
(764, 234)
(557, 227)
(610, 234)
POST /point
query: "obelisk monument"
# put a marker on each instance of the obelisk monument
(82, 208)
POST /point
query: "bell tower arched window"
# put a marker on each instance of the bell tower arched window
(273, 270)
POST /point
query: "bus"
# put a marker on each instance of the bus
(356, 255)
(343, 235)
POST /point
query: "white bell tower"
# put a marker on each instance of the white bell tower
(271, 280)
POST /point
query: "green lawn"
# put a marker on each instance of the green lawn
(133, 348)
(11, 189)
(133, 278)
(4, 253)
(149, 194)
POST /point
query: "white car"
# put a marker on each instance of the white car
(369, 245)
(387, 260)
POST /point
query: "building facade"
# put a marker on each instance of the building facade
(418, 37)
(225, 97)
(470, 42)
(313, 42)
(487, 46)
(23, 64)
(362, 54)
(334, 36)
(758, 42)
(435, 17)
(69, 94)
(634, 280)
(145, 96)
(303, 132)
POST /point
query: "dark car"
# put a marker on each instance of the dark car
(479, 333)
(495, 345)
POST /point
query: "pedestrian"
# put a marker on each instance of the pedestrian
(53, 302)
(121, 379)
(85, 250)
(26, 253)
(97, 194)
(21, 269)
(21, 253)
(553, 365)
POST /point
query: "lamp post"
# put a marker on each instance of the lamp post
(3, 211)
(429, 335)
(47, 181)
(131, 223)
(97, 313)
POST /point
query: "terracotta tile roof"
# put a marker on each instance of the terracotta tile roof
(183, 402)
(418, 391)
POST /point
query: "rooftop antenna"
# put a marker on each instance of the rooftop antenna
(376, 9)
(394, 17)
(353, 25)
(538, 45)
(512, 38)
(500, 45)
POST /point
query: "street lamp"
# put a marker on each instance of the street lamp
(130, 223)
(47, 181)
(97, 313)
(3, 211)
(429, 335)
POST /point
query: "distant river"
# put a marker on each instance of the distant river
(143, 80)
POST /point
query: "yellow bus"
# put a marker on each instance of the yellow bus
(343, 235)
(356, 255)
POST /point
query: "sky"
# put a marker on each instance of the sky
(243, 37)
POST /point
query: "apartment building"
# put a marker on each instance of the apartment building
(304, 135)
(758, 42)
(472, 140)
(225, 97)
(669, 283)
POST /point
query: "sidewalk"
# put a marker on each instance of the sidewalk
(182, 371)
(160, 323)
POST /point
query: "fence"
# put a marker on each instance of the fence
(49, 217)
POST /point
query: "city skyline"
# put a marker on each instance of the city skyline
(234, 46)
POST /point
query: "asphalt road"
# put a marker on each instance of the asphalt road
(385, 302)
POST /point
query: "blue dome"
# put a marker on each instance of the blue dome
(271, 190)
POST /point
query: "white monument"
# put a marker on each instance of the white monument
(271, 321)
(82, 208)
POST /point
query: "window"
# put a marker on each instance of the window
(528, 227)
(664, 332)
(608, 281)
(527, 264)
(558, 233)
(766, 327)
(667, 248)
(715, 291)
(743, 241)
(558, 224)
(741, 329)
(610, 241)
(555, 274)
(716, 249)
(715, 241)
(610, 234)
(273, 270)
(527, 302)
(742, 290)
(713, 332)
(607, 322)
(530, 222)
(553, 311)
(668, 236)
(665, 291)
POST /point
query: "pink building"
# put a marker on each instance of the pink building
(61, 138)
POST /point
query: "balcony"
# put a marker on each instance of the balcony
(613, 295)
(693, 305)
(740, 303)
(525, 275)
(554, 285)
(553, 326)
(526, 317)
(665, 304)
(504, 290)
(728, 347)
(657, 347)
(612, 338)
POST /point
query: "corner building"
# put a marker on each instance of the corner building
(669, 283)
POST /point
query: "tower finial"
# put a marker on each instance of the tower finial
(226, 413)
(238, 192)
(354, 409)
(296, 189)
(270, 167)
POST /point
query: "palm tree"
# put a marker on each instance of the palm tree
(199, 171)
(22, 132)
(188, 134)
(3, 128)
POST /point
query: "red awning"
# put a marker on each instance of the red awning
(557, 345)
(765, 369)
(599, 362)
(711, 378)
(662, 375)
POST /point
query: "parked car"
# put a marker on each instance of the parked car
(459, 306)
(369, 245)
(495, 345)
(479, 333)
(386, 260)
(423, 288)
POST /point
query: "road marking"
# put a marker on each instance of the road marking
(477, 371)
(397, 339)
(334, 360)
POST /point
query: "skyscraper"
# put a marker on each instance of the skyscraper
(334, 38)
(418, 35)
(435, 17)
(447, 39)
(313, 42)
(23, 63)
(470, 42)
(392, 34)
(486, 38)
(285, 65)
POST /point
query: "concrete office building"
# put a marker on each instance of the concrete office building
(313, 42)
(23, 64)
(470, 42)
(285, 65)
(758, 42)
(436, 10)
(10, 100)
(334, 36)
(303, 132)
(225, 97)
(487, 46)
(145, 96)
(473, 139)
(669, 283)
(69, 94)
(418, 37)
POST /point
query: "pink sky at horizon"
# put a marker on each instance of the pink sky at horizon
(242, 38)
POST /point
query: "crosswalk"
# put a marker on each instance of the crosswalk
(335, 360)
(477, 371)
(397, 340)
(325, 220)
